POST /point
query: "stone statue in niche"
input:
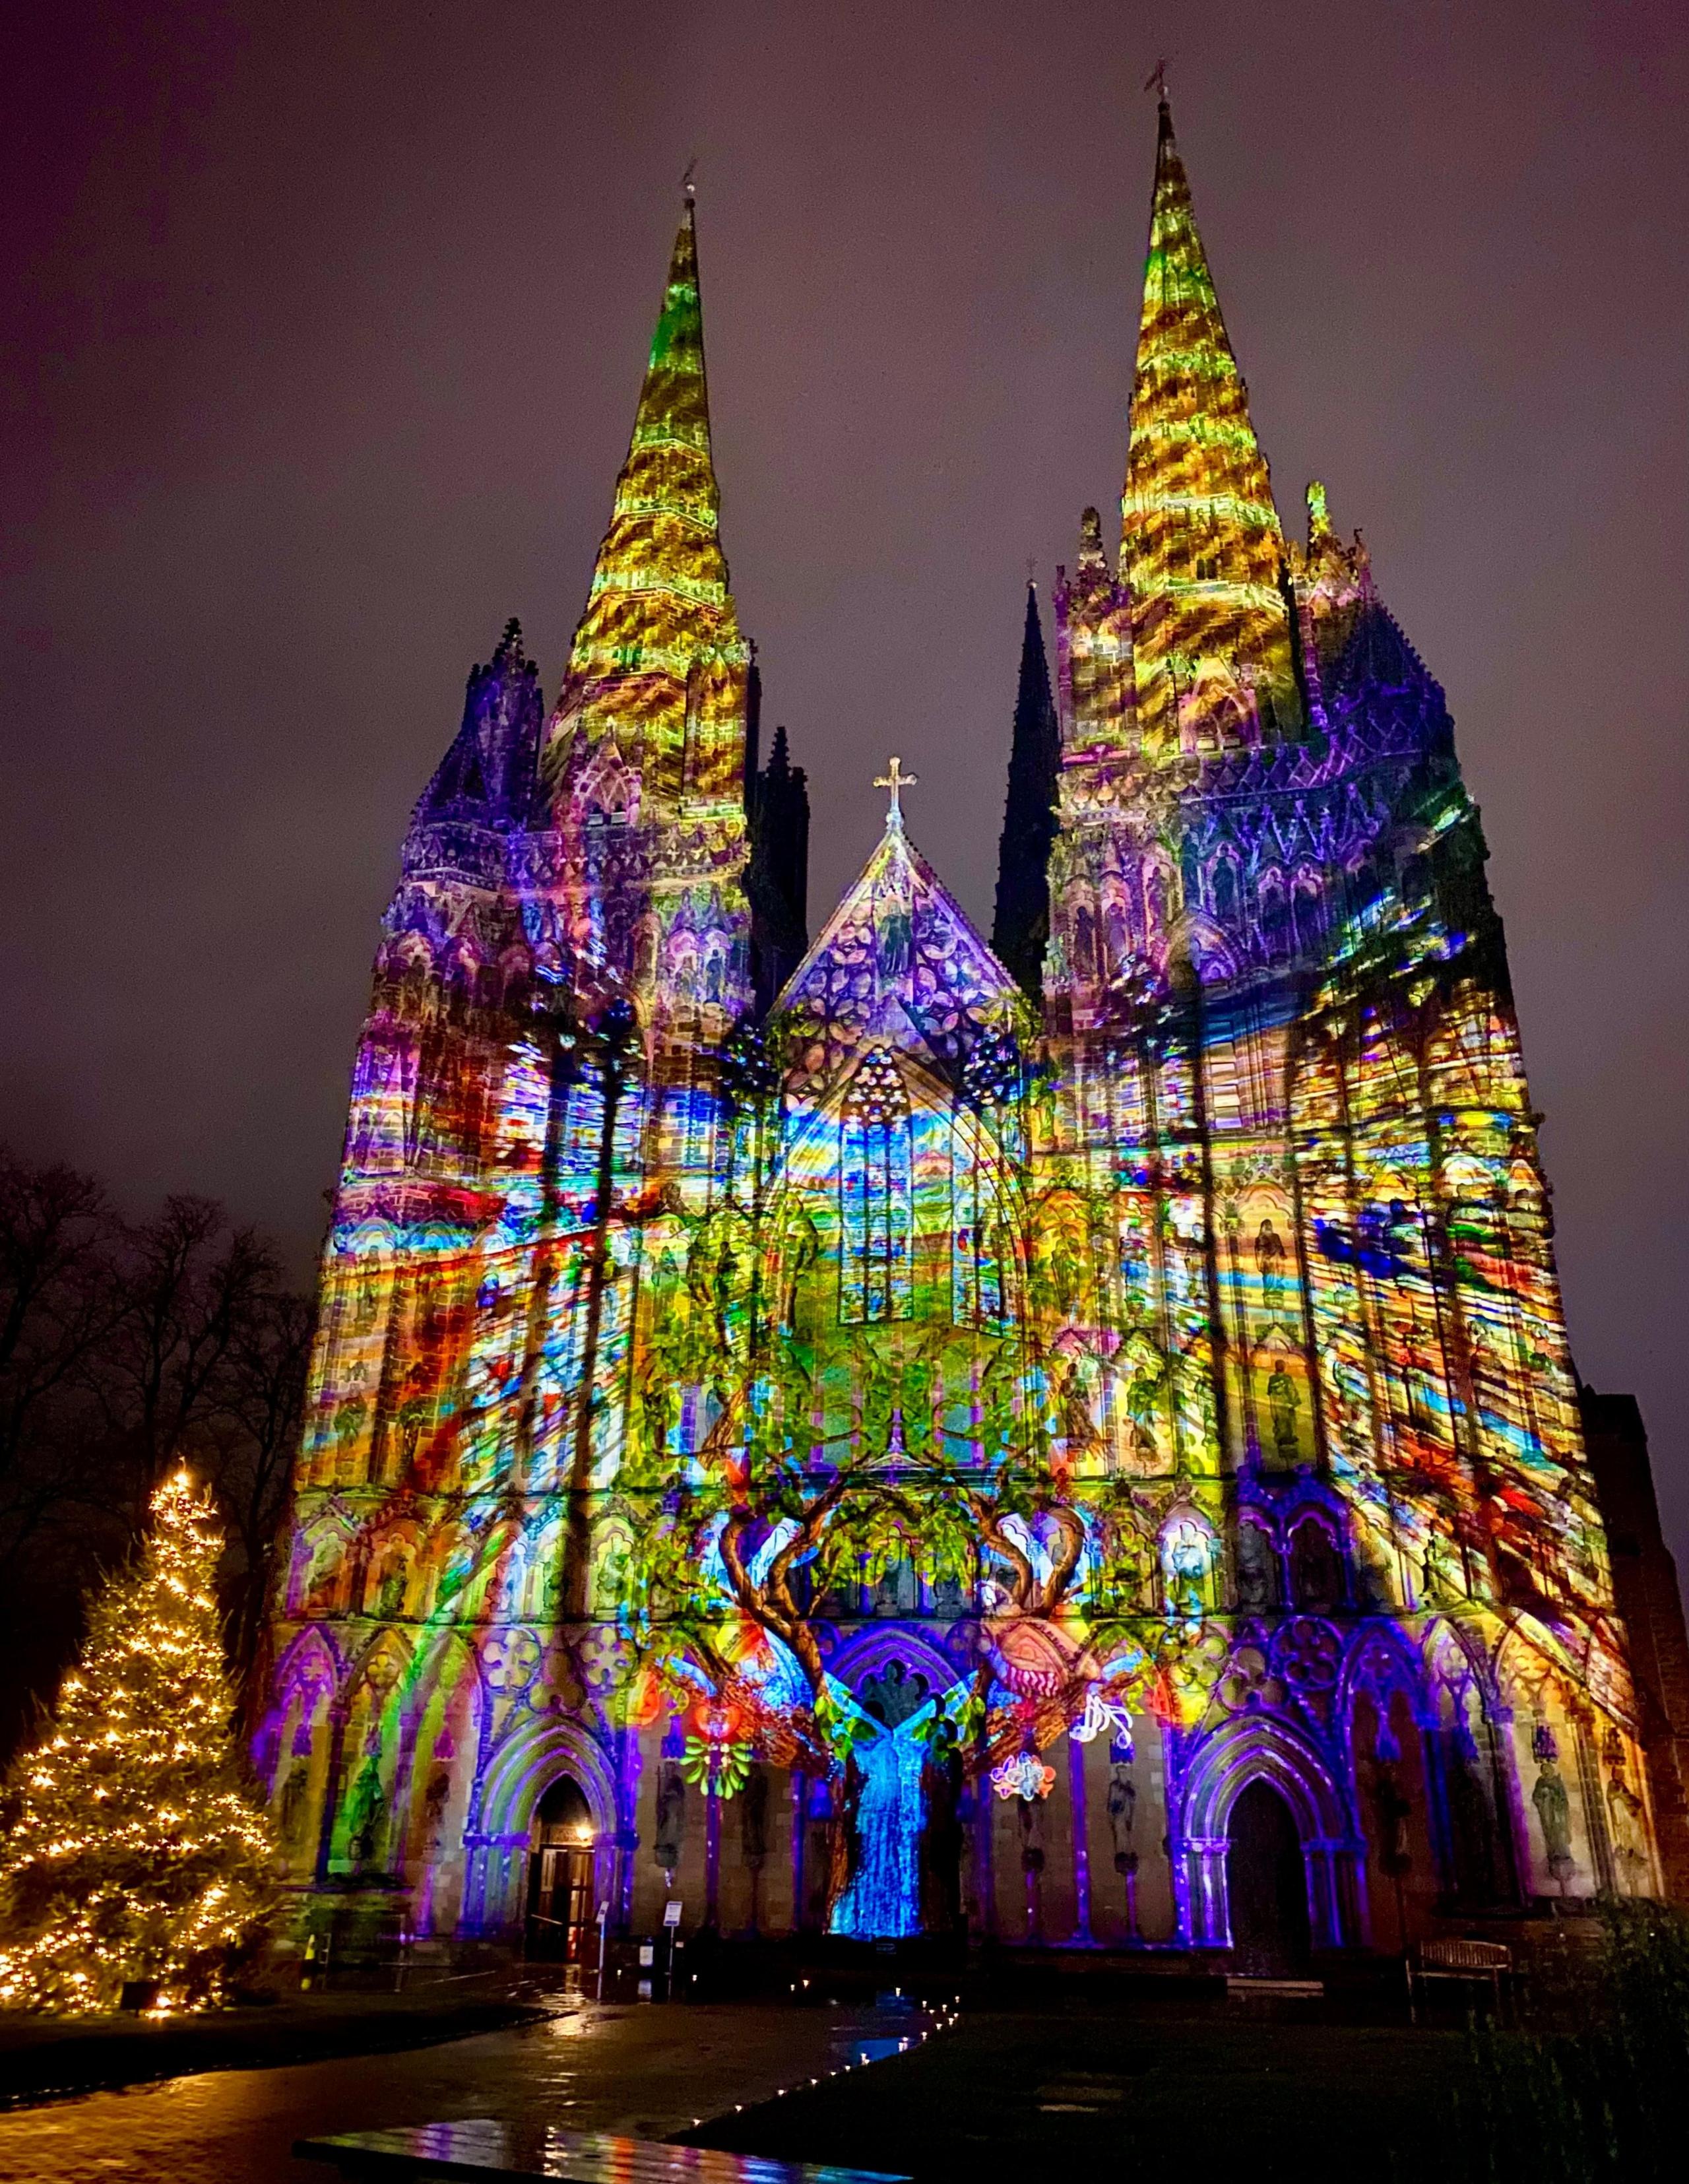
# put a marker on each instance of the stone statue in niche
(894, 940)
(434, 1803)
(1393, 1812)
(1029, 1817)
(1123, 1820)
(948, 1600)
(1472, 1824)
(898, 1590)
(1553, 1812)
(291, 1806)
(349, 1425)
(753, 1804)
(1316, 1574)
(1030, 1812)
(1437, 1579)
(1283, 1403)
(1081, 1398)
(670, 1830)
(1625, 1812)
(1374, 1593)
(1187, 1555)
(753, 1816)
(366, 1817)
(1269, 1264)
(413, 1414)
(1123, 1815)
(1258, 1570)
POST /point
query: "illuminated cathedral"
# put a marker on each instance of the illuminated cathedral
(1069, 1441)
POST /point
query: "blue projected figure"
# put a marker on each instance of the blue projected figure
(883, 1898)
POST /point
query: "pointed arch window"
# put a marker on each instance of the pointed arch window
(982, 1247)
(875, 1195)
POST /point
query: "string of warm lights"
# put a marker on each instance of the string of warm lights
(134, 1856)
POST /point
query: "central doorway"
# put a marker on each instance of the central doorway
(1267, 1888)
(559, 1907)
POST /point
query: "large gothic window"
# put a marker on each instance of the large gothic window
(875, 1195)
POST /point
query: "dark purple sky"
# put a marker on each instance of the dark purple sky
(322, 327)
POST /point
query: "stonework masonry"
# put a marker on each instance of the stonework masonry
(882, 1437)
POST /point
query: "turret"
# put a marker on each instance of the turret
(486, 779)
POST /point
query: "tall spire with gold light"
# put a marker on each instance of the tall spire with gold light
(657, 659)
(1201, 547)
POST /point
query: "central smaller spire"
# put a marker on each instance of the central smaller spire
(1022, 925)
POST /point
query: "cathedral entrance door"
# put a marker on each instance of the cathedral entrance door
(559, 1914)
(1267, 1886)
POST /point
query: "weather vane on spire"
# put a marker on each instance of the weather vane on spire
(1156, 81)
(687, 184)
(896, 780)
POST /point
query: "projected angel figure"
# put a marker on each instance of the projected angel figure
(883, 1896)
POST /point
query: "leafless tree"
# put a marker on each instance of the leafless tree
(125, 1346)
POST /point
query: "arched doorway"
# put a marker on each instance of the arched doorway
(1267, 1886)
(559, 1905)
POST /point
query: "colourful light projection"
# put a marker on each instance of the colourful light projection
(1203, 556)
(917, 1460)
(657, 668)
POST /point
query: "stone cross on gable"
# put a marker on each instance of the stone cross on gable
(896, 780)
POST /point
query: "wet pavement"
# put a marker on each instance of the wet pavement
(1084, 2089)
(648, 2069)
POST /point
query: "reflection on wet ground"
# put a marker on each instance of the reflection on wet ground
(646, 2070)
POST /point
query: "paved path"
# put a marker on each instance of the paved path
(1085, 2093)
(648, 2069)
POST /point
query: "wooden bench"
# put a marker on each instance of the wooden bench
(531, 2152)
(1459, 1960)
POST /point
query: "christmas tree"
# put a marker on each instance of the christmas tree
(134, 1855)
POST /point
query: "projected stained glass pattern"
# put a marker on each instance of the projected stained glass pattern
(913, 1460)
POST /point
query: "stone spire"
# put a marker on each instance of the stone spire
(657, 659)
(777, 879)
(1202, 551)
(1021, 925)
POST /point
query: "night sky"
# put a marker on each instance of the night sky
(323, 324)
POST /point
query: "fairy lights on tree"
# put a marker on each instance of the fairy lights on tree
(133, 1855)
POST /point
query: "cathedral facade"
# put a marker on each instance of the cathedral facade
(1071, 1441)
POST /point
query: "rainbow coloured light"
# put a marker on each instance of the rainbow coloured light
(925, 1457)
